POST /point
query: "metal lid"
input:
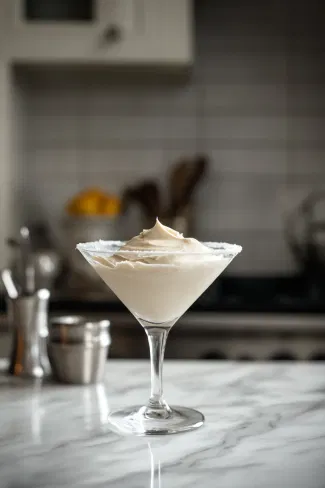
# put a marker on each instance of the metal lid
(75, 328)
(79, 321)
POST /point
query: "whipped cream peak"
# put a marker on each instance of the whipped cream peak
(159, 231)
(158, 236)
(163, 238)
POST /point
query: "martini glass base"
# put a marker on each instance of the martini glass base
(133, 421)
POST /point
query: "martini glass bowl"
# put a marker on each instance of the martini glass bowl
(157, 286)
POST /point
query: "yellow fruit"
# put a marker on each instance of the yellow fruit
(94, 202)
(111, 206)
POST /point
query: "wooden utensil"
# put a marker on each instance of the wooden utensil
(147, 195)
(184, 179)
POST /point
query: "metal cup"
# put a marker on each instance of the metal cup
(78, 349)
(25, 357)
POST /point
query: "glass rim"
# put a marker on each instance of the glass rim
(112, 247)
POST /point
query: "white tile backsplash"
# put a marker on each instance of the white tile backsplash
(306, 164)
(251, 162)
(154, 99)
(120, 130)
(306, 99)
(51, 130)
(263, 253)
(180, 128)
(232, 128)
(298, 190)
(112, 170)
(45, 201)
(306, 129)
(248, 42)
(243, 68)
(54, 100)
(254, 104)
(306, 68)
(48, 164)
(246, 99)
(229, 202)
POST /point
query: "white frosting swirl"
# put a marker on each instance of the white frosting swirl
(161, 237)
(159, 245)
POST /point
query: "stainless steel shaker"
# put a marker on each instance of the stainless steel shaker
(43, 297)
(78, 349)
(27, 316)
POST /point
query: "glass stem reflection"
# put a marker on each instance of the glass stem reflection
(155, 469)
(157, 336)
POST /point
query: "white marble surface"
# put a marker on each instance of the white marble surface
(265, 427)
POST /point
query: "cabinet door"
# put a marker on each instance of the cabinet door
(101, 31)
(168, 31)
(156, 32)
(50, 33)
(161, 33)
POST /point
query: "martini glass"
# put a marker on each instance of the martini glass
(157, 295)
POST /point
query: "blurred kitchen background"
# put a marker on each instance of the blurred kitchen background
(209, 114)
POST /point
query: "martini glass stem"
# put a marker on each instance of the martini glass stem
(157, 336)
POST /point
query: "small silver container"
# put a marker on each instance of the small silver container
(78, 349)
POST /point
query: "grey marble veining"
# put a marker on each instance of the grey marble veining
(265, 427)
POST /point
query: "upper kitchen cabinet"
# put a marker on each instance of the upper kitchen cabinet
(123, 32)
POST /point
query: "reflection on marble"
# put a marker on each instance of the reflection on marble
(265, 427)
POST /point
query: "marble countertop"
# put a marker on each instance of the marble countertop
(265, 427)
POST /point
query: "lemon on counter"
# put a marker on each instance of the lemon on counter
(92, 202)
(111, 206)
